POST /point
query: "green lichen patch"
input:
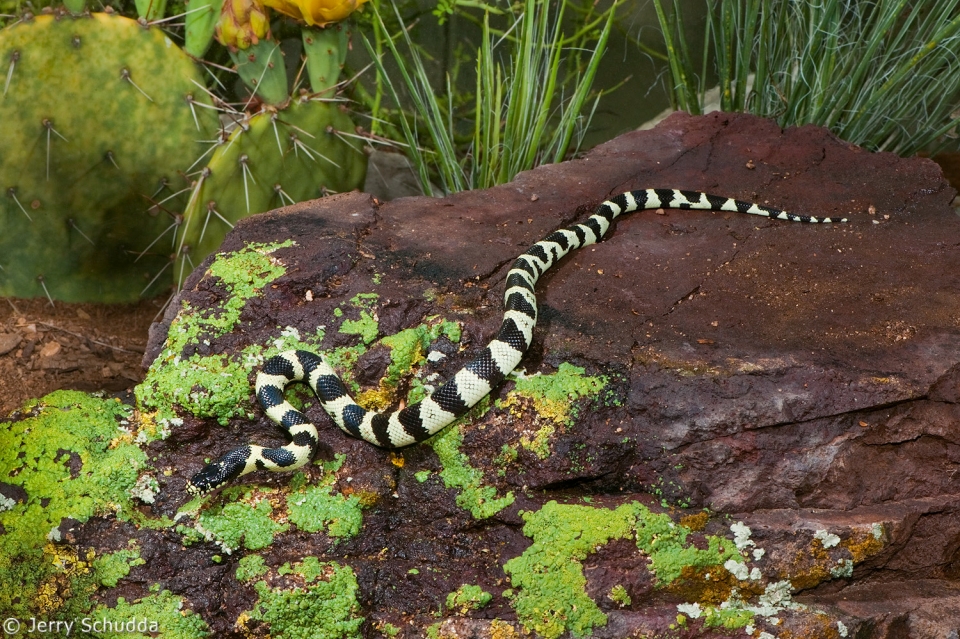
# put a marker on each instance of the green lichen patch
(247, 522)
(322, 604)
(110, 568)
(552, 596)
(618, 594)
(407, 350)
(243, 273)
(367, 326)
(159, 615)
(387, 629)
(553, 395)
(554, 399)
(728, 618)
(479, 499)
(211, 385)
(251, 567)
(316, 507)
(468, 597)
(73, 460)
(670, 552)
(508, 455)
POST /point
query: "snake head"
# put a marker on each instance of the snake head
(214, 475)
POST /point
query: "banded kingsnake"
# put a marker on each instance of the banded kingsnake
(471, 383)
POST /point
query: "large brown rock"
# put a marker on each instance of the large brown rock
(801, 379)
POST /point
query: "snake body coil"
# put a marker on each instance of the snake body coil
(471, 383)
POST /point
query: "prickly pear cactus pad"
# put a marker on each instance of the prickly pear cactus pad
(99, 118)
(273, 159)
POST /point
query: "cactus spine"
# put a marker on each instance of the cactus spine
(273, 159)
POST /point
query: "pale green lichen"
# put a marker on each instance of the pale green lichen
(324, 607)
(110, 568)
(618, 594)
(479, 499)
(554, 398)
(827, 539)
(146, 489)
(72, 459)
(735, 613)
(316, 507)
(550, 596)
(468, 597)
(157, 615)
(843, 569)
(251, 567)
(246, 521)
(210, 385)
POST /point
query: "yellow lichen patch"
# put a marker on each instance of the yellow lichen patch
(241, 624)
(54, 591)
(705, 584)
(553, 398)
(502, 630)
(695, 522)
(555, 411)
(538, 441)
(147, 424)
(396, 460)
(809, 567)
(120, 440)
(828, 557)
(366, 498)
(377, 399)
(818, 626)
(865, 543)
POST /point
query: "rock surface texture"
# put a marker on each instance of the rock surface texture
(801, 383)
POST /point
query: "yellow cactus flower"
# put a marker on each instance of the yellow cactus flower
(242, 23)
(318, 13)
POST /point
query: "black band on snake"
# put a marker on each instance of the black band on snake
(471, 383)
